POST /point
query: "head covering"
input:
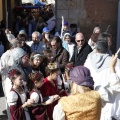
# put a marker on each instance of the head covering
(52, 66)
(22, 32)
(35, 76)
(45, 29)
(64, 44)
(18, 53)
(81, 76)
(66, 23)
(37, 56)
(12, 72)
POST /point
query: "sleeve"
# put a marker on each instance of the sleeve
(109, 93)
(35, 97)
(58, 113)
(12, 98)
(84, 56)
(8, 86)
(65, 59)
(16, 110)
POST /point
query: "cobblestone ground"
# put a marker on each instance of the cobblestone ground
(3, 115)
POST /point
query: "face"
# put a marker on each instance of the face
(80, 40)
(25, 59)
(47, 35)
(39, 83)
(18, 81)
(35, 38)
(67, 39)
(65, 27)
(55, 45)
(21, 43)
(54, 75)
(97, 31)
(37, 61)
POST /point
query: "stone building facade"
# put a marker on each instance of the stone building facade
(89, 13)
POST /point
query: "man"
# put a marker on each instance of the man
(60, 54)
(98, 63)
(37, 45)
(81, 50)
(65, 30)
(103, 36)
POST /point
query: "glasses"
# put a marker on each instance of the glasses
(80, 40)
(53, 45)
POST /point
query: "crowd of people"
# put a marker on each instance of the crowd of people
(60, 76)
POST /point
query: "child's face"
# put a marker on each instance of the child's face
(37, 61)
(55, 75)
(38, 84)
(18, 81)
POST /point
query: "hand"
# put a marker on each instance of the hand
(113, 60)
(29, 102)
(56, 97)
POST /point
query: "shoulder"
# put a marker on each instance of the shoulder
(12, 97)
(88, 48)
(34, 96)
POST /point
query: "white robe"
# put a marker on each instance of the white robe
(106, 96)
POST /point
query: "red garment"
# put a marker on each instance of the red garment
(37, 112)
(16, 110)
(48, 89)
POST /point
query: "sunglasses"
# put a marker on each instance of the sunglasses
(80, 40)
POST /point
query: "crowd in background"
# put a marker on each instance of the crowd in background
(58, 75)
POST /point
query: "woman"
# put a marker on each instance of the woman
(35, 62)
(38, 112)
(17, 97)
(46, 37)
(50, 86)
(67, 44)
(85, 102)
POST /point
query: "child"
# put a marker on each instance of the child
(50, 86)
(38, 111)
(17, 97)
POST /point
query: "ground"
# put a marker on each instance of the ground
(3, 115)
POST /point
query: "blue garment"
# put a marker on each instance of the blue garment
(37, 2)
(64, 44)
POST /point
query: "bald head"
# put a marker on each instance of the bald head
(79, 38)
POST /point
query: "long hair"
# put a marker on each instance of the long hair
(77, 89)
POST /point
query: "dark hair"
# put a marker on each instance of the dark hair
(73, 25)
(104, 36)
(57, 39)
(102, 46)
(36, 76)
(21, 37)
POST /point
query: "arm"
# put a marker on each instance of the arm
(83, 58)
(64, 60)
(109, 92)
(58, 113)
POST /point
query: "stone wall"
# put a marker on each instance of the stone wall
(89, 13)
